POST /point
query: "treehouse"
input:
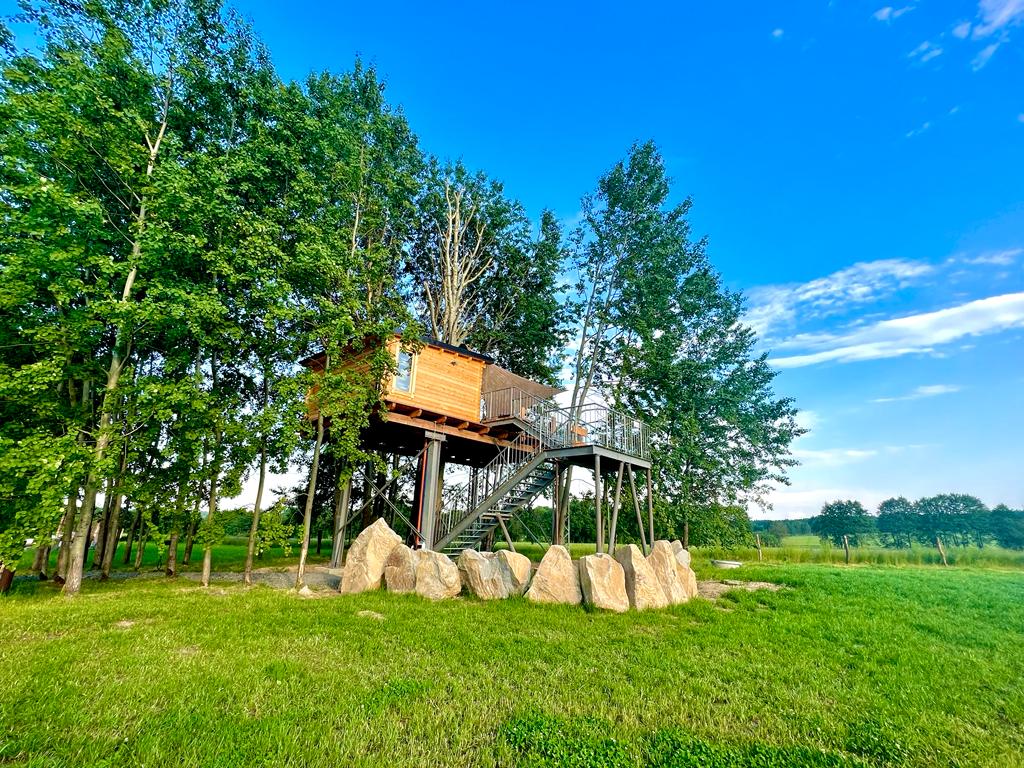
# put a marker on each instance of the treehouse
(453, 414)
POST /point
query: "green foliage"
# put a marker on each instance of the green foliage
(843, 518)
(673, 749)
(274, 531)
(581, 742)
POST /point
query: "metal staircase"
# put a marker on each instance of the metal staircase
(513, 479)
(530, 484)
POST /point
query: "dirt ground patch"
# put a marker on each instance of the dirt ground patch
(712, 590)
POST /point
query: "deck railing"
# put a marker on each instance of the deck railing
(510, 403)
(592, 424)
(588, 424)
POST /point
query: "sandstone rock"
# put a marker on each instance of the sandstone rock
(682, 554)
(666, 569)
(557, 579)
(437, 577)
(686, 574)
(400, 570)
(642, 587)
(483, 575)
(518, 567)
(364, 566)
(603, 582)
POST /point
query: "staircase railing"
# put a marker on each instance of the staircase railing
(460, 500)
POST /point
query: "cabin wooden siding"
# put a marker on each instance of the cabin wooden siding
(443, 382)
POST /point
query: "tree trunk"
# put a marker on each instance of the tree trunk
(141, 551)
(101, 527)
(190, 539)
(256, 510)
(6, 579)
(113, 533)
(39, 562)
(172, 555)
(67, 526)
(211, 509)
(307, 515)
(129, 541)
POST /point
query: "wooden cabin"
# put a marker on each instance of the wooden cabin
(448, 405)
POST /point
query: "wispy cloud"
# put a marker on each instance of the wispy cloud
(888, 13)
(919, 130)
(863, 283)
(778, 32)
(927, 390)
(913, 334)
(984, 55)
(997, 15)
(997, 258)
(926, 51)
(962, 30)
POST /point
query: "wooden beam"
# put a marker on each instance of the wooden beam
(636, 506)
(650, 509)
(597, 503)
(615, 509)
(504, 531)
(461, 425)
(416, 413)
(408, 421)
(441, 420)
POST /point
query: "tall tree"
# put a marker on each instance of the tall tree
(524, 319)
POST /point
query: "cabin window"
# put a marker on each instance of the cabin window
(403, 376)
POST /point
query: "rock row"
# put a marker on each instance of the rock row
(628, 580)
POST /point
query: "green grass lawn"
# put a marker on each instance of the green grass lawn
(850, 666)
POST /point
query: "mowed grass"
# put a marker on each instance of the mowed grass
(848, 666)
(228, 555)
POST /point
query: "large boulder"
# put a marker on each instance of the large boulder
(518, 567)
(557, 579)
(364, 566)
(400, 570)
(642, 587)
(666, 569)
(484, 576)
(686, 574)
(603, 582)
(682, 554)
(437, 577)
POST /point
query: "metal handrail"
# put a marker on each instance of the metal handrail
(587, 424)
(510, 403)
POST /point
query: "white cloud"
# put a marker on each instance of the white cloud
(984, 55)
(997, 15)
(862, 283)
(789, 503)
(919, 130)
(778, 32)
(1020, 117)
(962, 30)
(832, 457)
(998, 258)
(888, 13)
(926, 51)
(927, 390)
(913, 334)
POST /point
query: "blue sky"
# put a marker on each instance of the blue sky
(858, 168)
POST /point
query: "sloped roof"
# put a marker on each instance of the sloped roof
(496, 377)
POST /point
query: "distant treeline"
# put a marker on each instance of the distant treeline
(957, 519)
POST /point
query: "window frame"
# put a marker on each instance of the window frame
(398, 375)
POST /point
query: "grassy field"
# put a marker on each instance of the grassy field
(858, 665)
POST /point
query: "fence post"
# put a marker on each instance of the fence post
(942, 551)
(846, 547)
(760, 556)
